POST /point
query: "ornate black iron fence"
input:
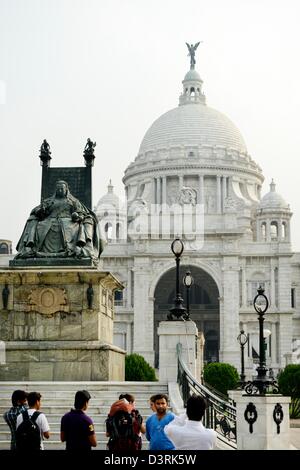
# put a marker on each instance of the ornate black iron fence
(220, 414)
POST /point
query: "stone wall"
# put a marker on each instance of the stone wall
(50, 333)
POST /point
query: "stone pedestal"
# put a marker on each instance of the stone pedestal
(170, 334)
(54, 330)
(265, 435)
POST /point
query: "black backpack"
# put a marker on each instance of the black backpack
(123, 429)
(28, 434)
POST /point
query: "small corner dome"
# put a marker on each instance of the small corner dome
(109, 200)
(193, 75)
(273, 200)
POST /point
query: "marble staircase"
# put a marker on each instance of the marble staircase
(58, 398)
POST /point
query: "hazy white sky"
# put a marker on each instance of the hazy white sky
(106, 69)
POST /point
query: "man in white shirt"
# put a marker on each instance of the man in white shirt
(34, 404)
(188, 432)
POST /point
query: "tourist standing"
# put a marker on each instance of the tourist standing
(187, 432)
(156, 423)
(77, 428)
(26, 442)
(19, 402)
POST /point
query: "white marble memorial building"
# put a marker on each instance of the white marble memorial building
(194, 159)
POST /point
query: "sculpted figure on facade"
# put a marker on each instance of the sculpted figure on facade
(187, 195)
(60, 227)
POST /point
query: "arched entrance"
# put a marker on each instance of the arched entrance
(204, 307)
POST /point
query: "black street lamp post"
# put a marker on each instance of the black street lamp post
(188, 281)
(178, 310)
(261, 305)
(261, 384)
(243, 340)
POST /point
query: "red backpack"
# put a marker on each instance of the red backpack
(123, 427)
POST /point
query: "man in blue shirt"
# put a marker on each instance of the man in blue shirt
(155, 424)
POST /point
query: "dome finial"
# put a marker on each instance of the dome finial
(272, 186)
(192, 48)
(110, 187)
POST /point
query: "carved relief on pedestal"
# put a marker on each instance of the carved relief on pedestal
(47, 300)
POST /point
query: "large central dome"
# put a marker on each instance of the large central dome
(193, 124)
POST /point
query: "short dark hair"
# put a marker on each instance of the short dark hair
(195, 407)
(159, 396)
(81, 398)
(18, 395)
(33, 397)
(127, 397)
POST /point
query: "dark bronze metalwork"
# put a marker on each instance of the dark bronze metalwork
(250, 415)
(79, 179)
(278, 416)
(90, 295)
(262, 384)
(243, 340)
(5, 296)
(192, 49)
(45, 154)
(220, 414)
(178, 310)
(60, 227)
(88, 153)
(188, 281)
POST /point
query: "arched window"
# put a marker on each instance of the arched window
(264, 231)
(118, 227)
(4, 248)
(274, 230)
(283, 230)
(108, 231)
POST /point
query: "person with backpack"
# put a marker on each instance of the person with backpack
(124, 425)
(76, 427)
(32, 425)
(156, 423)
(19, 402)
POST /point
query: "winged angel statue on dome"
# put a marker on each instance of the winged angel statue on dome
(192, 48)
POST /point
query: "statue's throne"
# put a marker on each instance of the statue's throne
(79, 179)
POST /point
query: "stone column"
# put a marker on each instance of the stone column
(181, 182)
(272, 285)
(164, 190)
(224, 191)
(264, 435)
(170, 334)
(274, 359)
(244, 287)
(143, 310)
(129, 337)
(201, 189)
(218, 194)
(229, 318)
(153, 199)
(128, 299)
(268, 230)
(158, 192)
(279, 229)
